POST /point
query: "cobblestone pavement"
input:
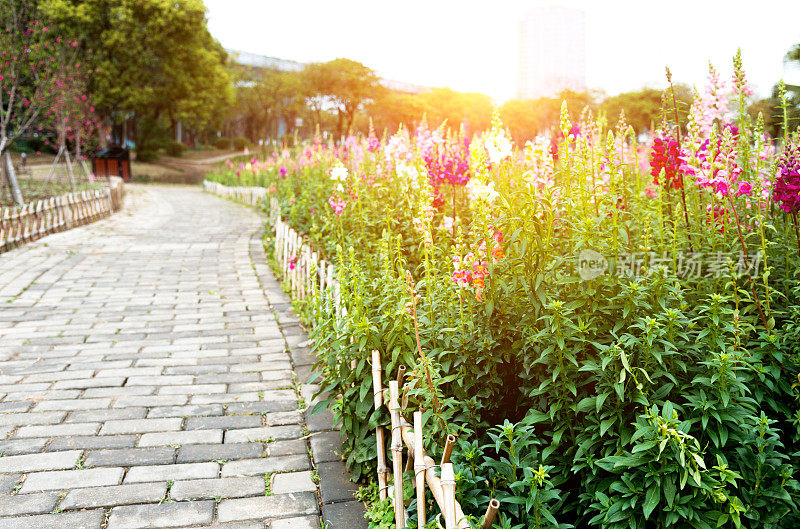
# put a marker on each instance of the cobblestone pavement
(151, 376)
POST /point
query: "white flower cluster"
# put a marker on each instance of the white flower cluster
(498, 146)
(339, 174)
(478, 191)
(408, 174)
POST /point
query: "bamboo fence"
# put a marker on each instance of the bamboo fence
(307, 275)
(34, 220)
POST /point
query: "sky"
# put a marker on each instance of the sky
(471, 46)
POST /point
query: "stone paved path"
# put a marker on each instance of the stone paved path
(145, 381)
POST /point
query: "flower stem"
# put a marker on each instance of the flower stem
(747, 264)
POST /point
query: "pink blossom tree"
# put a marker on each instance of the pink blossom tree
(70, 113)
(28, 72)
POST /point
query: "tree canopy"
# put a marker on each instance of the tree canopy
(155, 60)
(345, 85)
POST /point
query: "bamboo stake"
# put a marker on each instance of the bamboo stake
(401, 371)
(433, 481)
(410, 466)
(397, 457)
(449, 496)
(491, 512)
(419, 468)
(377, 387)
(448, 449)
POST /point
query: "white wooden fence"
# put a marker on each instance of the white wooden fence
(251, 196)
(34, 220)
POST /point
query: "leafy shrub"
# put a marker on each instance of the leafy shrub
(240, 143)
(175, 148)
(147, 150)
(222, 143)
(151, 135)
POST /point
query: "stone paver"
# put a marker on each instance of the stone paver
(348, 514)
(73, 520)
(172, 472)
(38, 462)
(28, 504)
(66, 479)
(254, 467)
(116, 495)
(161, 515)
(301, 522)
(276, 506)
(201, 489)
(143, 376)
(293, 482)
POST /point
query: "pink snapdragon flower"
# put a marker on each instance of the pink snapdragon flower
(447, 223)
(337, 204)
(745, 188)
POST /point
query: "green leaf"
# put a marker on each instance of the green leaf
(606, 424)
(600, 400)
(586, 405)
(651, 499)
(669, 489)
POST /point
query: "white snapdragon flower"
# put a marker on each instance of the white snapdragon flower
(478, 191)
(409, 174)
(339, 172)
(499, 147)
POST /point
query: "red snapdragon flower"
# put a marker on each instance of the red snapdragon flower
(666, 154)
(787, 181)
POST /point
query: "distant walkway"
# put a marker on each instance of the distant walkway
(145, 381)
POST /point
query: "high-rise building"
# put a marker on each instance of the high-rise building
(552, 52)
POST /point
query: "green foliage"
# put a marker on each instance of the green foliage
(152, 58)
(526, 119)
(240, 143)
(222, 143)
(265, 96)
(380, 514)
(174, 148)
(151, 136)
(345, 83)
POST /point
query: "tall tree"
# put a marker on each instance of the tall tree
(643, 107)
(156, 60)
(792, 97)
(457, 108)
(526, 119)
(28, 71)
(346, 86)
(70, 113)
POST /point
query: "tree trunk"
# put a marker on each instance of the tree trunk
(11, 178)
(101, 133)
(339, 124)
(53, 168)
(70, 171)
(78, 149)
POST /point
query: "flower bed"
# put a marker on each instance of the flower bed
(611, 332)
